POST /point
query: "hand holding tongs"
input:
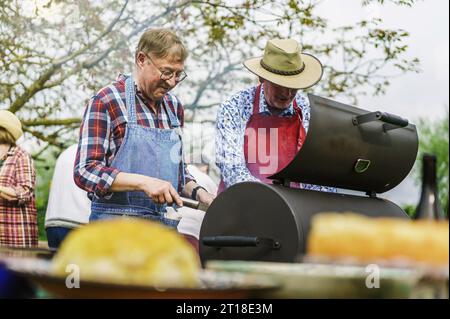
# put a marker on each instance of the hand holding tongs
(194, 204)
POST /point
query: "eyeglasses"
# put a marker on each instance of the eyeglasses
(167, 75)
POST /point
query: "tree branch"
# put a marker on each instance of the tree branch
(53, 140)
(101, 36)
(39, 84)
(209, 81)
(52, 122)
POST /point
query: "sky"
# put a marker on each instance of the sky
(412, 96)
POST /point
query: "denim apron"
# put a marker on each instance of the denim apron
(147, 151)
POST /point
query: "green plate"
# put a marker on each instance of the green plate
(307, 280)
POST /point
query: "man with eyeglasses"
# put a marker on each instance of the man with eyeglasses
(130, 157)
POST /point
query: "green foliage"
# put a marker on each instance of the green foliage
(408, 3)
(410, 209)
(433, 139)
(55, 54)
(44, 172)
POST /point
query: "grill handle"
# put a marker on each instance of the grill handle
(391, 121)
(240, 241)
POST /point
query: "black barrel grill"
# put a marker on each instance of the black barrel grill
(346, 147)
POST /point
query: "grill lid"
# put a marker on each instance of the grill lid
(351, 148)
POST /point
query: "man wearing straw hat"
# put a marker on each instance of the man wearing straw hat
(260, 129)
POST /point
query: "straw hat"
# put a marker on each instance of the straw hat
(284, 64)
(11, 123)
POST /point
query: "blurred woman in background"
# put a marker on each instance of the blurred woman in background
(18, 216)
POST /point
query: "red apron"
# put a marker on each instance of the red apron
(263, 132)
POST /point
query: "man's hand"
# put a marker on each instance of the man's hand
(158, 190)
(202, 195)
(205, 197)
(161, 191)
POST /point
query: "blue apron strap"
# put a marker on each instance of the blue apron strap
(130, 100)
(173, 119)
(175, 123)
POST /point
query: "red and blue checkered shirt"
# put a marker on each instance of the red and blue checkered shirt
(102, 132)
(18, 218)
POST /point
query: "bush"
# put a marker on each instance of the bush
(44, 174)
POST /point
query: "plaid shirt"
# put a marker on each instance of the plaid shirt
(18, 218)
(102, 132)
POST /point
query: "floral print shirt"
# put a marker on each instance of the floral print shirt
(232, 119)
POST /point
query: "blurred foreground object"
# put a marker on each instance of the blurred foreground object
(129, 251)
(342, 235)
(13, 286)
(310, 280)
(429, 206)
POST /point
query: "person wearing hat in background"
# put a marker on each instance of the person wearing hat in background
(18, 215)
(259, 130)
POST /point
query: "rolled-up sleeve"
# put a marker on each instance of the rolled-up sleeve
(25, 179)
(91, 172)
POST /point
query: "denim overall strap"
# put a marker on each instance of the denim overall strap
(175, 123)
(130, 99)
(145, 151)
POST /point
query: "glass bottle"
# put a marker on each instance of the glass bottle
(429, 206)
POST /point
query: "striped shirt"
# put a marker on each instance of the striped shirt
(103, 129)
(18, 218)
